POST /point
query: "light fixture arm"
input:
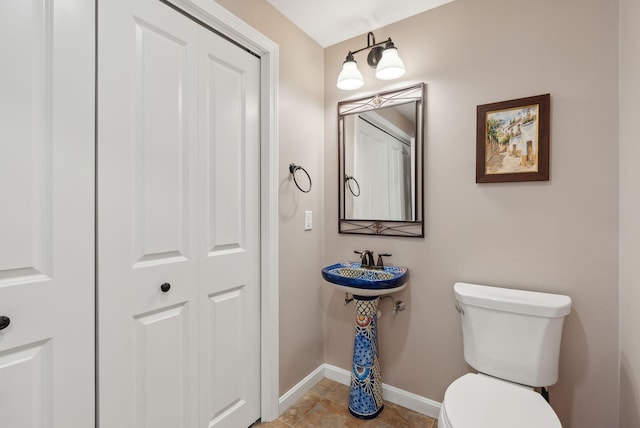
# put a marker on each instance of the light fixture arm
(371, 43)
(371, 39)
(376, 49)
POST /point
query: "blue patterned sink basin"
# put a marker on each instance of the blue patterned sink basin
(353, 279)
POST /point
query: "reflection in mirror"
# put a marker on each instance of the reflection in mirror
(379, 153)
(381, 145)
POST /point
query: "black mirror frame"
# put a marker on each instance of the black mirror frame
(414, 229)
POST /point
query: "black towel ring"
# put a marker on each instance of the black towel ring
(292, 169)
(348, 179)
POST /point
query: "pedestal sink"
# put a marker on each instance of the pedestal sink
(366, 285)
(352, 278)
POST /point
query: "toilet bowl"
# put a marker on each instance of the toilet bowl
(512, 338)
(480, 401)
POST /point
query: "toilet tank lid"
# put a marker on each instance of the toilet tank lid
(511, 300)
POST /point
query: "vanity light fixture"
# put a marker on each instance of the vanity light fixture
(385, 60)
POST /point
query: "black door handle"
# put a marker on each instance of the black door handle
(165, 287)
(4, 322)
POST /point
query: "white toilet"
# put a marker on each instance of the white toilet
(512, 338)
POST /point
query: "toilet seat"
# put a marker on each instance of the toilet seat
(480, 401)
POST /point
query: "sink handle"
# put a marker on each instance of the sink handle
(380, 256)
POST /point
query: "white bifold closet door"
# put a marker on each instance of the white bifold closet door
(178, 222)
(47, 214)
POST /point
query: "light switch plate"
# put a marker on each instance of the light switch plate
(308, 220)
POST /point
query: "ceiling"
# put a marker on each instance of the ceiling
(332, 21)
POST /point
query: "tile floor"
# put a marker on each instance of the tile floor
(326, 405)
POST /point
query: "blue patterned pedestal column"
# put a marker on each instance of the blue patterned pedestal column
(365, 399)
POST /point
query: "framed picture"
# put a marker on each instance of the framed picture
(512, 140)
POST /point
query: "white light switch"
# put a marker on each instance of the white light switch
(308, 220)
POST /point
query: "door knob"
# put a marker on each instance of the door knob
(165, 287)
(4, 322)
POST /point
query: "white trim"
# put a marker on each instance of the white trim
(337, 374)
(231, 26)
(411, 401)
(390, 393)
(301, 388)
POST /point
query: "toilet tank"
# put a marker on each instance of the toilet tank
(512, 334)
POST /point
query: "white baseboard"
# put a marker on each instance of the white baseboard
(390, 393)
(301, 388)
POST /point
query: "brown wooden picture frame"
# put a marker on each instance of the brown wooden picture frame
(512, 140)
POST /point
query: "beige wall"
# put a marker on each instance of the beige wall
(558, 236)
(301, 139)
(629, 214)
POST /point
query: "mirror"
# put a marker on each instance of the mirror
(381, 163)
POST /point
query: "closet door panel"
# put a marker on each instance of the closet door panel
(25, 130)
(161, 145)
(225, 171)
(47, 219)
(178, 233)
(27, 370)
(147, 216)
(162, 347)
(229, 258)
(225, 344)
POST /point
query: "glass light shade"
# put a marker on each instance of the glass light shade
(350, 77)
(390, 65)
